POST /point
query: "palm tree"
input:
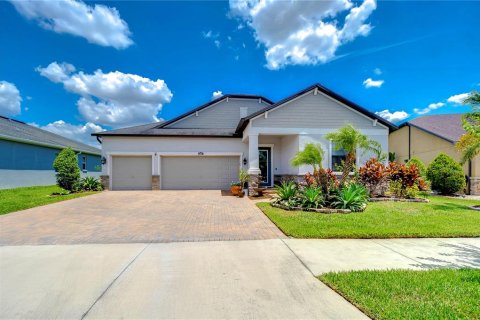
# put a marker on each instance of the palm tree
(350, 139)
(469, 143)
(312, 154)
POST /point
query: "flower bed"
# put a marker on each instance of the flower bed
(319, 210)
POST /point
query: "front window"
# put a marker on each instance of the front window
(84, 163)
(338, 157)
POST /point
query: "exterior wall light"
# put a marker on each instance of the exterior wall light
(244, 161)
(103, 160)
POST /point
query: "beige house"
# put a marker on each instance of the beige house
(425, 137)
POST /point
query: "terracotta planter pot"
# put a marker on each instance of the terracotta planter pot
(235, 190)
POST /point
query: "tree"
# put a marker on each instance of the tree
(68, 172)
(446, 175)
(469, 143)
(350, 139)
(312, 154)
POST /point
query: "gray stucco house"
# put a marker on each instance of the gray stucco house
(27, 154)
(206, 147)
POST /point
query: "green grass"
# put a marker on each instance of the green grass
(23, 198)
(402, 294)
(442, 217)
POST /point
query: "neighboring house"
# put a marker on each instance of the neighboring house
(27, 154)
(205, 147)
(425, 137)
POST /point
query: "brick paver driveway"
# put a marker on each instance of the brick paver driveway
(139, 216)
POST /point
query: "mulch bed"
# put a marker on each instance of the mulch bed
(320, 210)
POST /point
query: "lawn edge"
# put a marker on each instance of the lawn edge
(363, 237)
(90, 193)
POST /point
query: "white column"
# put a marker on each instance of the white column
(253, 163)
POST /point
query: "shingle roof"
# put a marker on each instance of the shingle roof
(152, 129)
(19, 131)
(446, 126)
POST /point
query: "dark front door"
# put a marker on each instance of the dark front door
(265, 164)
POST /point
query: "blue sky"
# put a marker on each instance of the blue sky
(77, 67)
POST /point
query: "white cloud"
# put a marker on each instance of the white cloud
(302, 32)
(392, 116)
(99, 24)
(431, 106)
(114, 99)
(10, 99)
(458, 98)
(56, 72)
(369, 83)
(80, 132)
(217, 94)
(377, 71)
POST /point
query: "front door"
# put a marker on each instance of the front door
(265, 164)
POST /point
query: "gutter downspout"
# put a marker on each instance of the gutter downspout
(409, 142)
(469, 176)
(99, 140)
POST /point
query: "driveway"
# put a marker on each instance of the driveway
(139, 216)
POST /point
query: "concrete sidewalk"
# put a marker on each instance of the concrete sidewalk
(203, 280)
(265, 279)
(326, 255)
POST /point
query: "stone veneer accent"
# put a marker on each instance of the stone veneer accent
(155, 182)
(475, 186)
(252, 184)
(105, 181)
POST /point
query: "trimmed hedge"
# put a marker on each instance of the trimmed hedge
(446, 175)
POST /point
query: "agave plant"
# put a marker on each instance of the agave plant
(90, 184)
(353, 197)
(312, 197)
(287, 190)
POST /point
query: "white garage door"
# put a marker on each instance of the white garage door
(131, 173)
(210, 173)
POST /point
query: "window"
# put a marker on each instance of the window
(338, 157)
(84, 163)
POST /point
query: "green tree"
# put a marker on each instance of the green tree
(350, 139)
(469, 143)
(446, 175)
(312, 154)
(422, 169)
(68, 172)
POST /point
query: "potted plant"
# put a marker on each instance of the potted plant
(235, 188)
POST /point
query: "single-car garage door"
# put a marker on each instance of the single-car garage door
(199, 172)
(131, 173)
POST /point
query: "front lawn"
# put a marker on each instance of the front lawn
(406, 294)
(442, 217)
(24, 198)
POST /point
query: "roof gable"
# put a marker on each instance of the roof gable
(318, 89)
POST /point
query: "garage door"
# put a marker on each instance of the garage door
(183, 173)
(131, 173)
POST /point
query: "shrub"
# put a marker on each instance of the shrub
(243, 177)
(374, 176)
(446, 175)
(322, 178)
(353, 197)
(287, 190)
(91, 184)
(422, 169)
(311, 197)
(68, 172)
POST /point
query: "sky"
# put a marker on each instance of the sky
(76, 67)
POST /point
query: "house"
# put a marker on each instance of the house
(206, 147)
(425, 137)
(27, 154)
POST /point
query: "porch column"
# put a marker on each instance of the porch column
(253, 164)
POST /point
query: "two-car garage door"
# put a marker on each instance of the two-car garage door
(176, 172)
(199, 172)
